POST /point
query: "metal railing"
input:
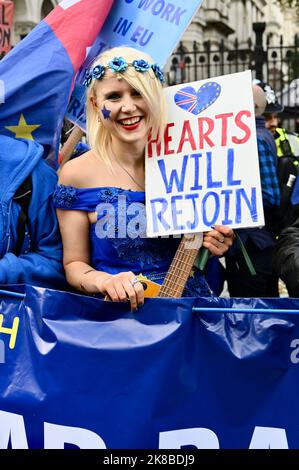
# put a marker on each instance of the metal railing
(276, 65)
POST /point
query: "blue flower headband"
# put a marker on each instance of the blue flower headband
(119, 64)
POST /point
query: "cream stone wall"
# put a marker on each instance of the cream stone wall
(231, 19)
(28, 13)
(215, 20)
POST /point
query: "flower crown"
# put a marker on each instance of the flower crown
(119, 64)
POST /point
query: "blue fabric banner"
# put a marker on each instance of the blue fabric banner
(207, 373)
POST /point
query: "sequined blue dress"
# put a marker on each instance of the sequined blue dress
(118, 239)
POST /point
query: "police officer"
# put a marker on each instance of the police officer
(287, 142)
(287, 147)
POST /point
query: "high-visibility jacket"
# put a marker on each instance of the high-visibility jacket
(287, 143)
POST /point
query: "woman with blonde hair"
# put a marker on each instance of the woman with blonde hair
(100, 198)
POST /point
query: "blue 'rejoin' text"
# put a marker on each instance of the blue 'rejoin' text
(226, 207)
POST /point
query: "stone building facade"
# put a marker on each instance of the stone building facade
(28, 13)
(214, 21)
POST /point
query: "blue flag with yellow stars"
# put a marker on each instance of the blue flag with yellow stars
(37, 76)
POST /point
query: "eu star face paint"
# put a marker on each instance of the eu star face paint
(106, 112)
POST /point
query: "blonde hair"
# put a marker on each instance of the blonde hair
(146, 83)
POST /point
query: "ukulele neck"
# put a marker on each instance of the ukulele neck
(181, 266)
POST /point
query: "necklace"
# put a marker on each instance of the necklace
(129, 174)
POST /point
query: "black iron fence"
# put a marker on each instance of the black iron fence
(276, 65)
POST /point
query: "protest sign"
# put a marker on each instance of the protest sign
(153, 26)
(205, 172)
(6, 25)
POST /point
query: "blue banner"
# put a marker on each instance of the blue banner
(153, 26)
(207, 373)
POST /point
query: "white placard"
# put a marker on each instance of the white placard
(206, 170)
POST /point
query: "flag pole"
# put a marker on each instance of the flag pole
(69, 146)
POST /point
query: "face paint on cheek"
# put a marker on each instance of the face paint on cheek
(106, 112)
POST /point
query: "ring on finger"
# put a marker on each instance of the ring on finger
(134, 281)
(221, 240)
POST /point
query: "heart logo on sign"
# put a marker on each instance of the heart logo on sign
(197, 101)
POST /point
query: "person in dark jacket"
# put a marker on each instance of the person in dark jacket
(287, 148)
(259, 242)
(286, 258)
(39, 261)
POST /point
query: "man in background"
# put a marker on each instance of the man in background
(287, 147)
(259, 242)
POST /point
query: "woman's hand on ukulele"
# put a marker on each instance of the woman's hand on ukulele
(218, 240)
(123, 287)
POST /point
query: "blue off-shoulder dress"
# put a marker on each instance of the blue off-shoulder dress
(118, 239)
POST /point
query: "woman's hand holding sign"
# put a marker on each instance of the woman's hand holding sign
(218, 240)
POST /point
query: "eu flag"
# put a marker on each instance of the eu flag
(37, 76)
